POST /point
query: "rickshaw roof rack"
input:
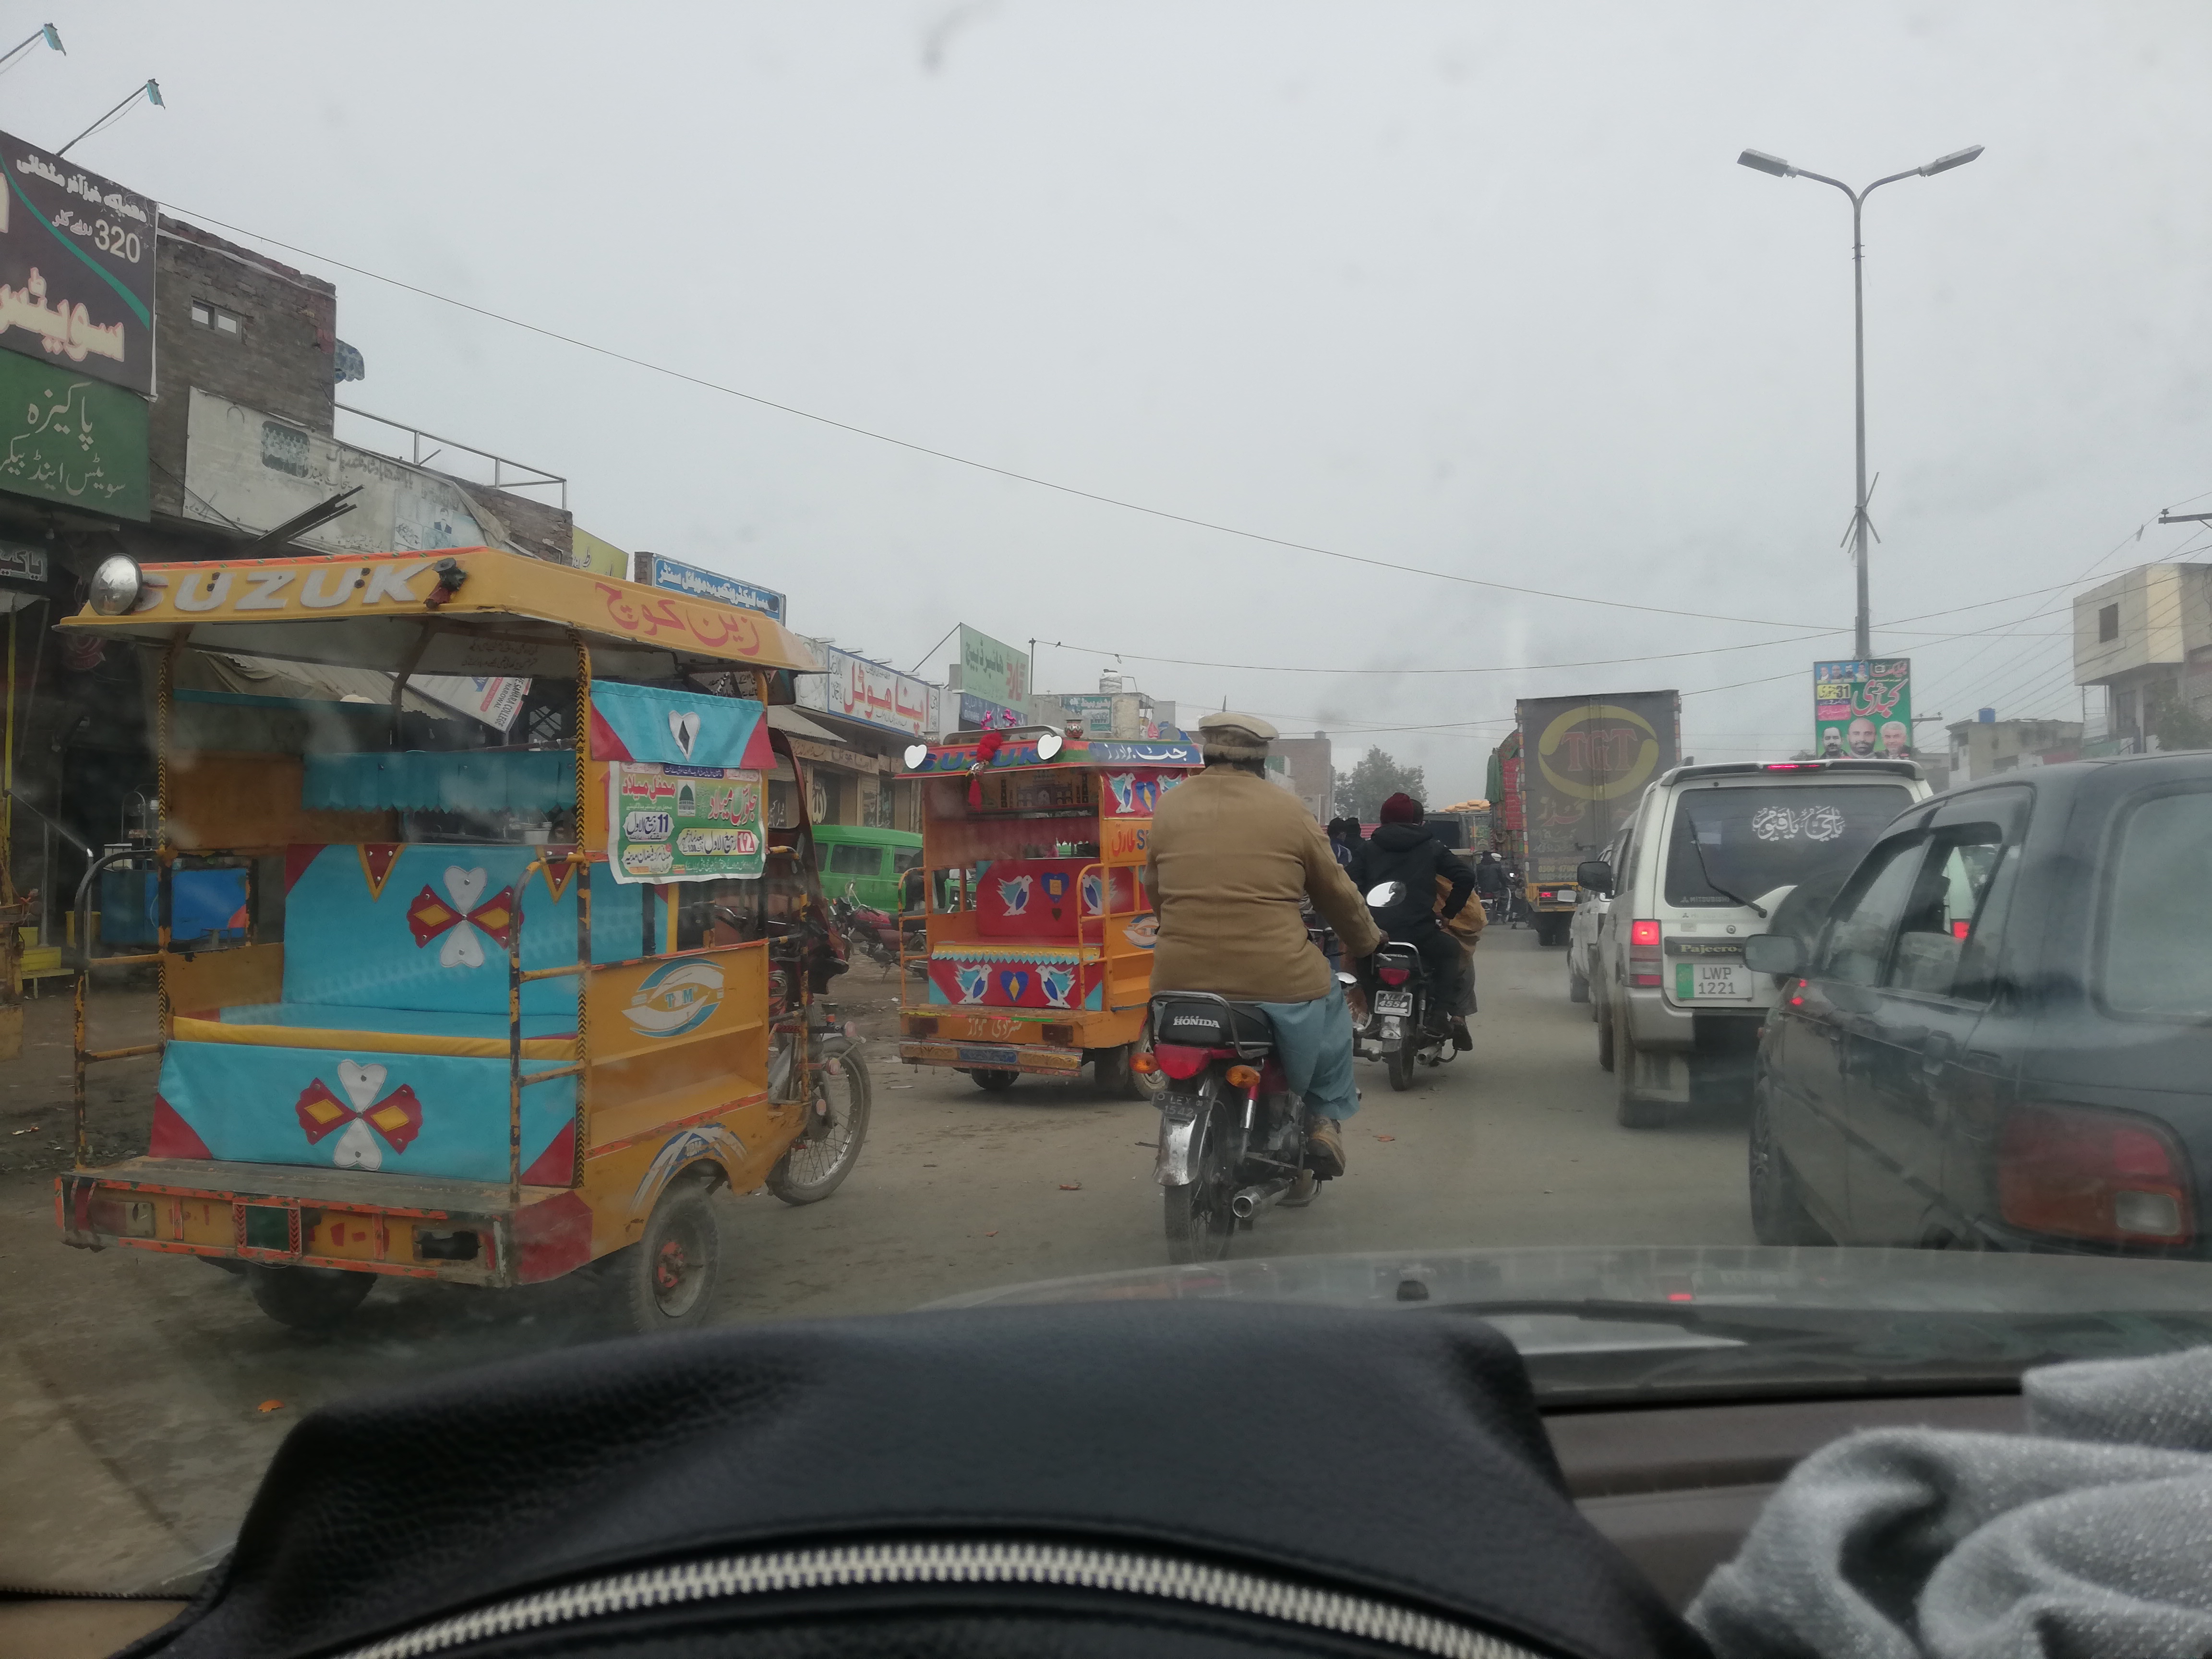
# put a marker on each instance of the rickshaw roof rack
(492, 611)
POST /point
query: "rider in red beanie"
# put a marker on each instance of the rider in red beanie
(1401, 809)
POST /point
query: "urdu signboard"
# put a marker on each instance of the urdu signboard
(855, 688)
(77, 269)
(994, 671)
(67, 438)
(659, 570)
(1863, 710)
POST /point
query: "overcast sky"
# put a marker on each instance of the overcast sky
(1473, 288)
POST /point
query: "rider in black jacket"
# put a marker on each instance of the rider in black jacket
(1406, 849)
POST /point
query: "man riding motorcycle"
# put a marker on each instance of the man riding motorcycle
(1231, 855)
(1405, 849)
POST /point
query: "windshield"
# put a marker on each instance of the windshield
(592, 786)
(1729, 846)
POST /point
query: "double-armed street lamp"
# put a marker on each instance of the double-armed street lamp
(1864, 645)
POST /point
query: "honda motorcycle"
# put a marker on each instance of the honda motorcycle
(1232, 1136)
(1403, 1020)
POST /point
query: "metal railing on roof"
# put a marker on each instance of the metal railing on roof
(500, 464)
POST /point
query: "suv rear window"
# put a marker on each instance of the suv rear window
(1749, 841)
(2159, 914)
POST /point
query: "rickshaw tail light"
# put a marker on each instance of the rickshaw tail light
(1244, 1077)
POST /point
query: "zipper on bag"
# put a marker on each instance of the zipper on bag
(1158, 1577)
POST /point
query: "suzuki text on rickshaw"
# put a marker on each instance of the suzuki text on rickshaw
(509, 1001)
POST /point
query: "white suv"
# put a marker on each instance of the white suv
(1709, 855)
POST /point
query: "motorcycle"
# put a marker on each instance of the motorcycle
(1232, 1136)
(875, 932)
(1404, 1020)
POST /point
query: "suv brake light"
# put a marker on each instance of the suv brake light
(1644, 968)
(2082, 1174)
(1794, 766)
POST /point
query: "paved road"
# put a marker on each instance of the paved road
(132, 1385)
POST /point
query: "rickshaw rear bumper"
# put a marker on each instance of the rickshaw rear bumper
(361, 1221)
(994, 1056)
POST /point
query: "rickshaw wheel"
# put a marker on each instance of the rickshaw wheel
(816, 1165)
(317, 1300)
(666, 1279)
(1116, 1076)
(992, 1081)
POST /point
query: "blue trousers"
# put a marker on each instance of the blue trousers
(1313, 1041)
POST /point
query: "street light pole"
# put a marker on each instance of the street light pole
(1863, 640)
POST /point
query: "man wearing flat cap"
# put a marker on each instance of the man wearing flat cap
(1231, 857)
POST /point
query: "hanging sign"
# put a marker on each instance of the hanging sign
(684, 824)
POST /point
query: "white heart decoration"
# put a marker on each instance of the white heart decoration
(461, 949)
(362, 1084)
(465, 887)
(683, 726)
(915, 754)
(357, 1148)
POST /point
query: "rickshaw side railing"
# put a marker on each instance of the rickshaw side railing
(164, 860)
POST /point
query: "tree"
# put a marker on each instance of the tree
(1362, 791)
(2177, 726)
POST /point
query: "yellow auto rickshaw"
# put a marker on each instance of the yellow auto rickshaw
(1036, 955)
(499, 1011)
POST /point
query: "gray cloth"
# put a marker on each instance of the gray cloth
(2090, 1535)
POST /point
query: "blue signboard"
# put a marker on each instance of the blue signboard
(975, 711)
(680, 577)
(1139, 754)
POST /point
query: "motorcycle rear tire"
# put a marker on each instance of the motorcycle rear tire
(1400, 1065)
(1199, 1224)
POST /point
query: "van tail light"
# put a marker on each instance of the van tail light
(1393, 973)
(2111, 1176)
(1644, 967)
(1180, 1060)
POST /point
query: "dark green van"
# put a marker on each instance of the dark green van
(869, 861)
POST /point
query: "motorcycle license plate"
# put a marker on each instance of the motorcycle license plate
(1393, 1002)
(1179, 1107)
(1711, 982)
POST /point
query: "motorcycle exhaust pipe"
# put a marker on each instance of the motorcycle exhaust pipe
(1253, 1200)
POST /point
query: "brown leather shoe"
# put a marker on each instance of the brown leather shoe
(1302, 1191)
(1325, 1148)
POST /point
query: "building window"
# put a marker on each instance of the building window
(217, 319)
(2108, 623)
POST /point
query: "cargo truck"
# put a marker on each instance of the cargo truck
(1584, 764)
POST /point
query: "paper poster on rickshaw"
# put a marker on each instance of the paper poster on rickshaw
(683, 823)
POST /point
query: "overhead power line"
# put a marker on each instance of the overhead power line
(983, 466)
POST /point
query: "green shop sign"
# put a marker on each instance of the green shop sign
(684, 824)
(67, 438)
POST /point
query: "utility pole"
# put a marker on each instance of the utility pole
(1862, 647)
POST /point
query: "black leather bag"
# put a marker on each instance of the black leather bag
(1209, 1478)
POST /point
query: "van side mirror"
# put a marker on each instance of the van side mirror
(1774, 953)
(1595, 874)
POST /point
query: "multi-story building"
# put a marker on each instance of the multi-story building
(2146, 637)
(1986, 746)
